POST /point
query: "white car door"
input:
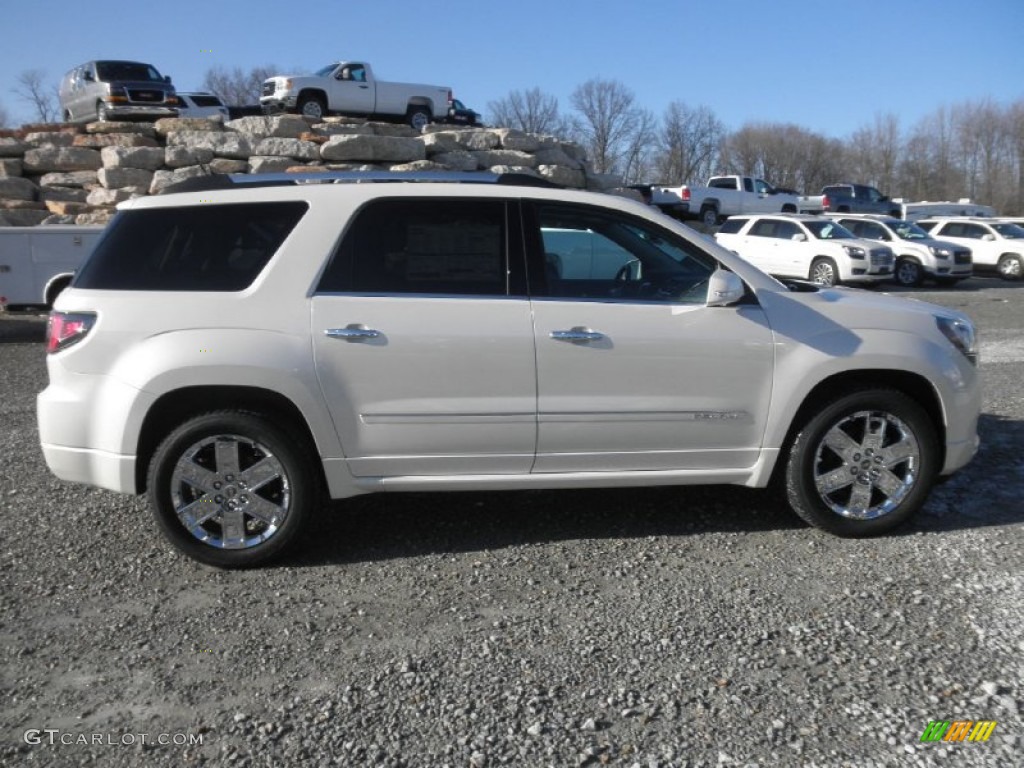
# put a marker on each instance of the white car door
(350, 92)
(764, 249)
(423, 341)
(634, 371)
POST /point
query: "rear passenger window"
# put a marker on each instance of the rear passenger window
(423, 246)
(731, 226)
(189, 248)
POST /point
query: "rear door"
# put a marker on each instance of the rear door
(634, 370)
(423, 339)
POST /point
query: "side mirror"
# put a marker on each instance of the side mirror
(167, 79)
(799, 237)
(725, 288)
(988, 236)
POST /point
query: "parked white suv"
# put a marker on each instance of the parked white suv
(994, 244)
(918, 254)
(239, 353)
(808, 247)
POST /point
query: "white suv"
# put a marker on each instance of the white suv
(807, 247)
(994, 244)
(918, 254)
(240, 353)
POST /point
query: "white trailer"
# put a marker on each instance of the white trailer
(962, 207)
(37, 263)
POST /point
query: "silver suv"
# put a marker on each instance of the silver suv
(240, 353)
(116, 90)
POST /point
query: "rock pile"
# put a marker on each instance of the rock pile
(64, 174)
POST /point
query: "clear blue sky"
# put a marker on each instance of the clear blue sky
(826, 66)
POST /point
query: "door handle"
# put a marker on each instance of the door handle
(353, 332)
(364, 87)
(577, 335)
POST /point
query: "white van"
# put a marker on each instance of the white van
(37, 263)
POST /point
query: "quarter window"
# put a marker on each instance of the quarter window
(421, 246)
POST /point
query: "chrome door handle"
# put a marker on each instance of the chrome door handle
(577, 335)
(354, 332)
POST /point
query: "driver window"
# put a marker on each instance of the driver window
(597, 254)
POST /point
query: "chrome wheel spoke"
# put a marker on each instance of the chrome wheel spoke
(260, 473)
(840, 442)
(195, 475)
(227, 455)
(874, 432)
(199, 511)
(232, 523)
(898, 452)
(892, 486)
(265, 511)
(834, 480)
(860, 499)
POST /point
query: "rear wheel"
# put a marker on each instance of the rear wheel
(864, 464)
(908, 272)
(232, 489)
(824, 272)
(1010, 267)
(709, 216)
(418, 117)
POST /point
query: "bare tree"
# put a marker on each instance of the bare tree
(874, 152)
(32, 87)
(532, 111)
(4, 117)
(688, 142)
(608, 122)
(785, 154)
(237, 87)
(641, 147)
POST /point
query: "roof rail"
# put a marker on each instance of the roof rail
(237, 180)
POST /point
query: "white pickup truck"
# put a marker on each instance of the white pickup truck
(723, 196)
(37, 263)
(349, 88)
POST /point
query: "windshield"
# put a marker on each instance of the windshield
(325, 71)
(1009, 231)
(111, 71)
(828, 230)
(907, 231)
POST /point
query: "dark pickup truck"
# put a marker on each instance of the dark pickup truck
(849, 198)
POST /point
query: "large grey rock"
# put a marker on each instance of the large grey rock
(557, 156)
(50, 139)
(67, 207)
(228, 165)
(44, 159)
(510, 138)
(300, 150)
(56, 219)
(168, 125)
(100, 140)
(10, 147)
(22, 218)
(458, 160)
(17, 188)
(10, 166)
(418, 165)
(163, 179)
(559, 174)
(343, 129)
(115, 178)
(269, 164)
(394, 129)
(64, 194)
(490, 157)
(386, 149)
(68, 179)
(144, 129)
(448, 140)
(149, 158)
(97, 217)
(179, 157)
(520, 170)
(601, 182)
(108, 196)
(226, 144)
(260, 127)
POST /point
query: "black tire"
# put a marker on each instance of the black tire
(908, 272)
(418, 117)
(102, 113)
(709, 216)
(269, 506)
(1010, 267)
(837, 447)
(66, 116)
(312, 106)
(824, 272)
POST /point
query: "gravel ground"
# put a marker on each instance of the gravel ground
(662, 627)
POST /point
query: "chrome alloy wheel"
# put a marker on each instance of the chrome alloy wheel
(230, 492)
(824, 273)
(866, 464)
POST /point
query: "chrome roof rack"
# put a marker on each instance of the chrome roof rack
(237, 180)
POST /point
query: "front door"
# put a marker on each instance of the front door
(634, 370)
(424, 342)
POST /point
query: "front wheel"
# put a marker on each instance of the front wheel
(824, 272)
(312, 107)
(232, 489)
(1010, 267)
(863, 465)
(908, 273)
(102, 112)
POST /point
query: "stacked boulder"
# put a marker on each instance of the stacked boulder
(71, 174)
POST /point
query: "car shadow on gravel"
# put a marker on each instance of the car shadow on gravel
(382, 527)
(22, 328)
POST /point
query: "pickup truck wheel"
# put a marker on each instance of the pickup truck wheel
(863, 465)
(824, 272)
(418, 117)
(231, 489)
(312, 107)
(908, 272)
(1010, 267)
(709, 216)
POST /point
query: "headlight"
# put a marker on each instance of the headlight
(940, 253)
(961, 335)
(854, 252)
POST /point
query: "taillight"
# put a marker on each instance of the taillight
(451, 98)
(66, 328)
(825, 202)
(684, 193)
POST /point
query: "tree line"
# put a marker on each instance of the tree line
(972, 149)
